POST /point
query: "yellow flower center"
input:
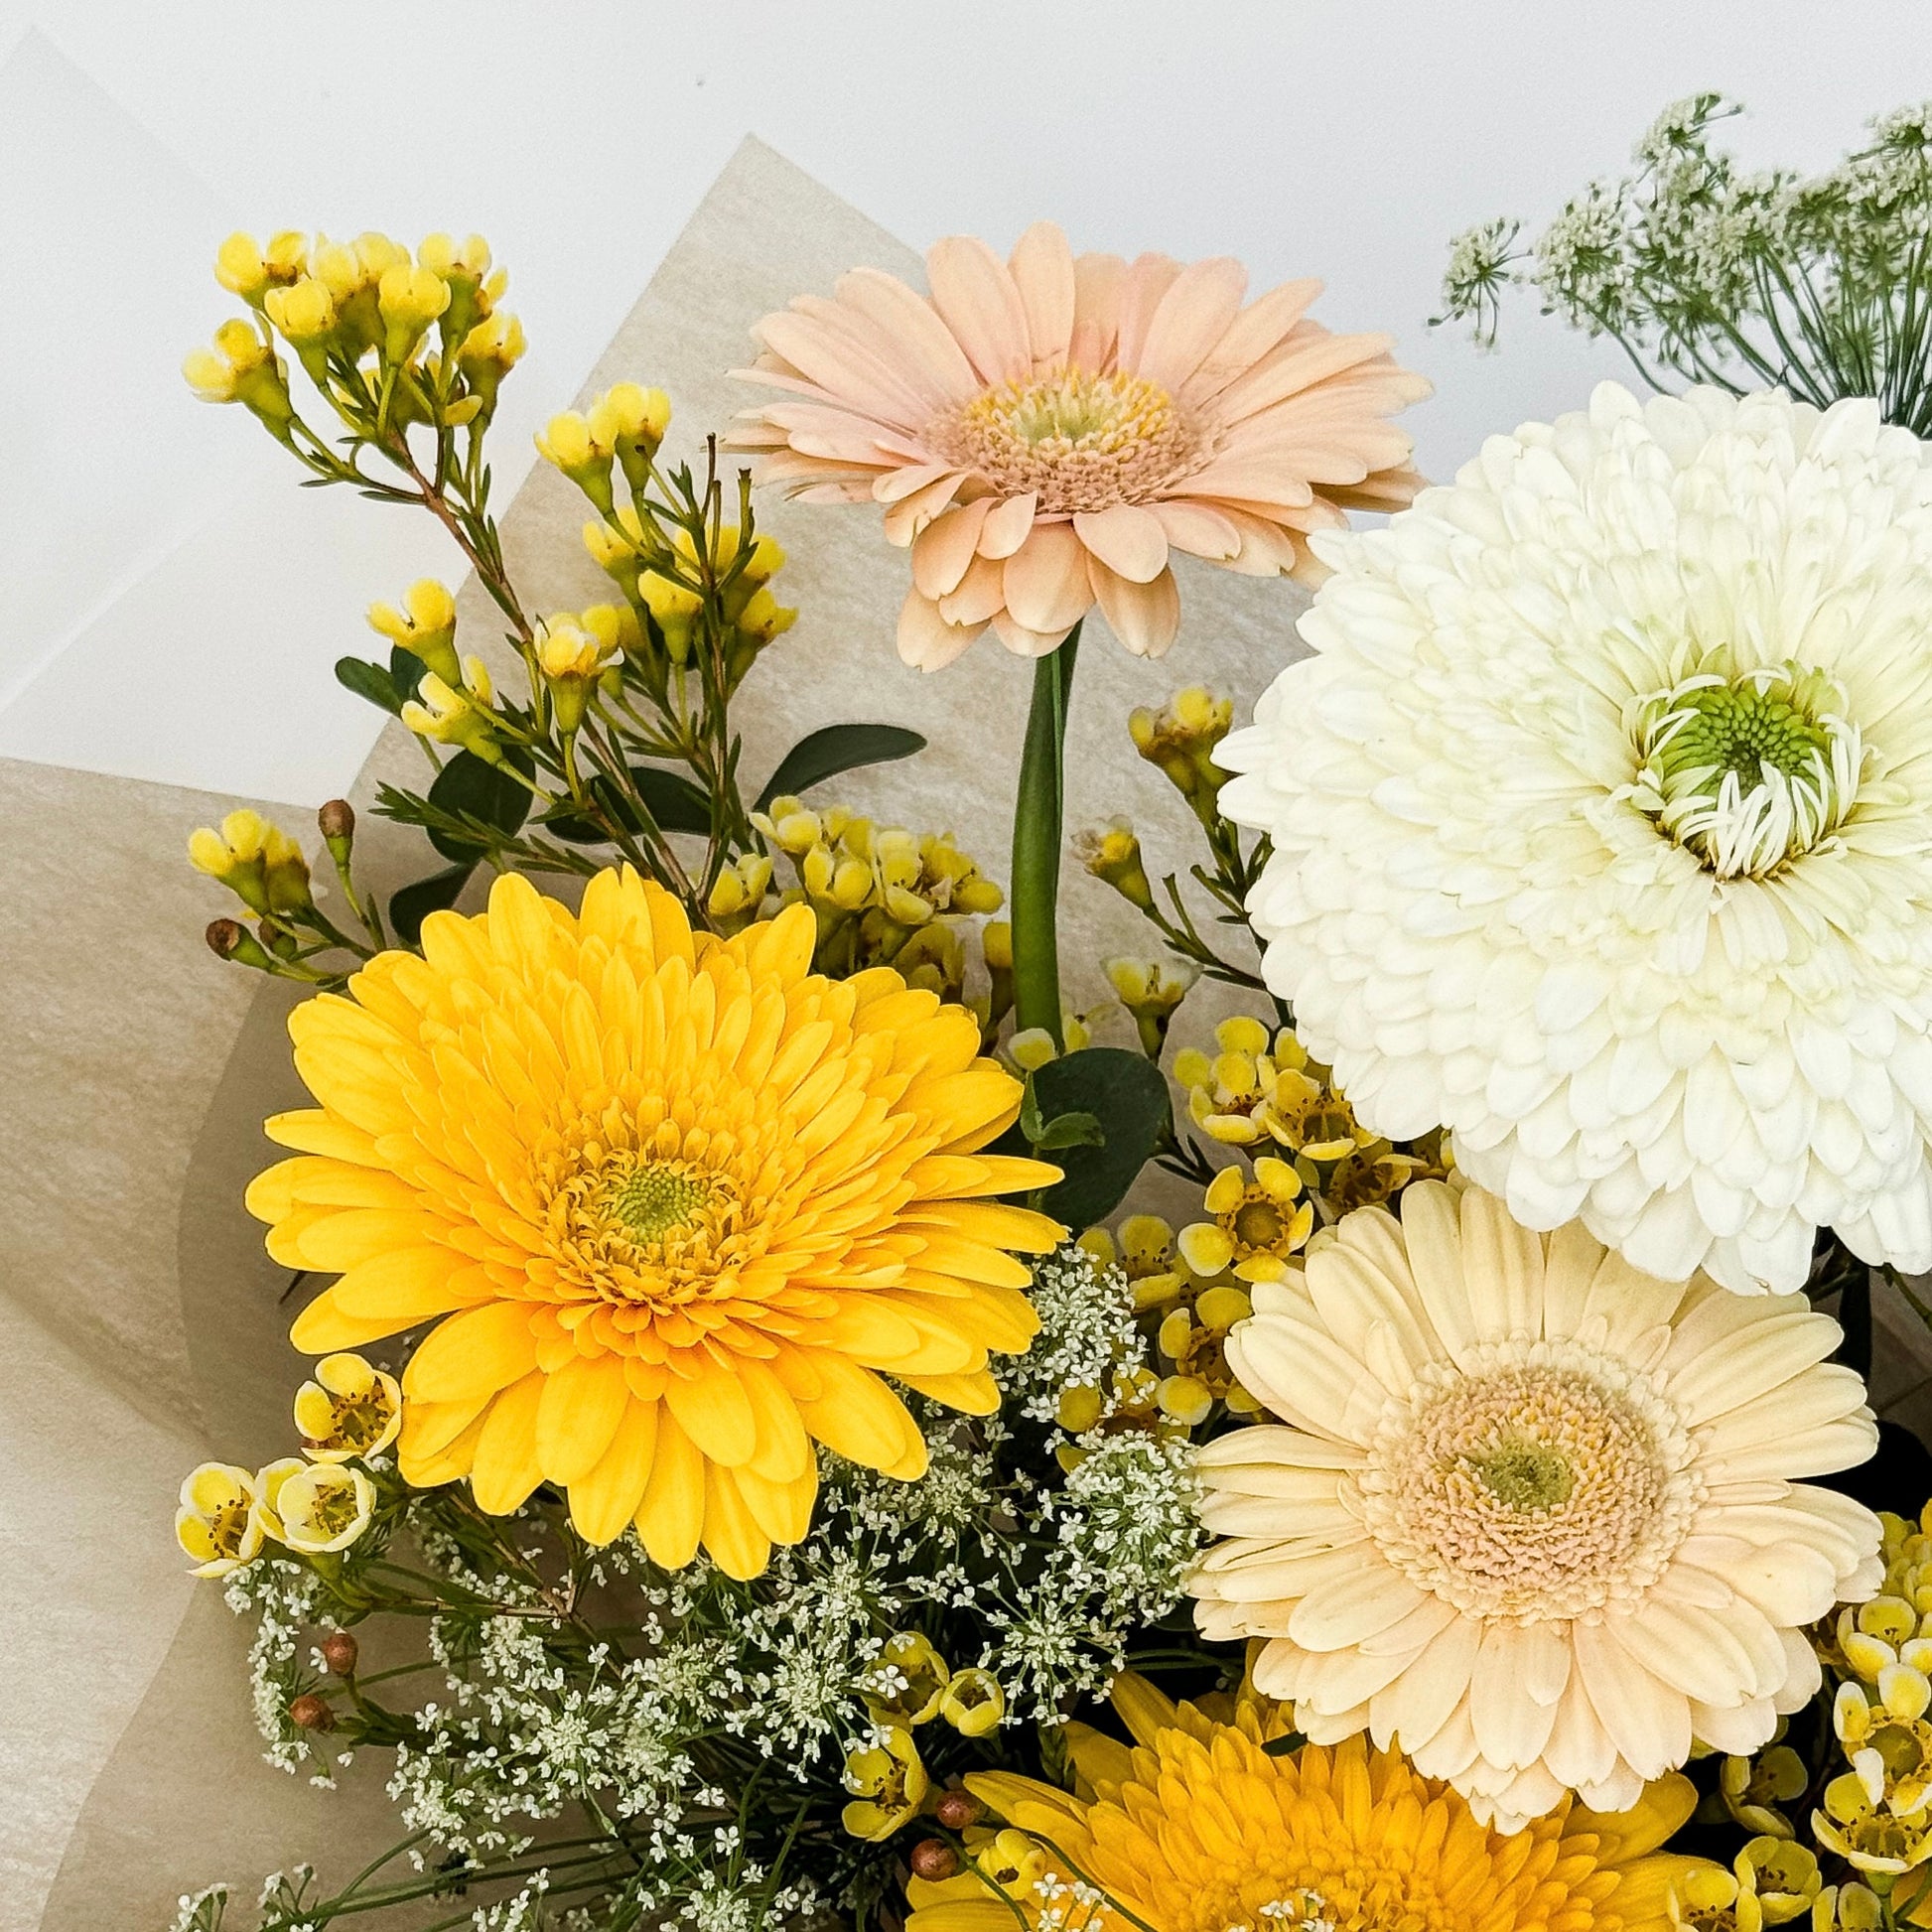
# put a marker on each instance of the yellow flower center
(357, 1422)
(656, 1197)
(227, 1526)
(1545, 1483)
(333, 1510)
(1257, 1224)
(1081, 442)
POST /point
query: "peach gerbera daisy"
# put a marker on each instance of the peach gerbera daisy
(676, 1204)
(1198, 1828)
(1044, 431)
(1529, 1515)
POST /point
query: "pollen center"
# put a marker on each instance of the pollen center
(1541, 1484)
(1747, 771)
(1080, 441)
(656, 1197)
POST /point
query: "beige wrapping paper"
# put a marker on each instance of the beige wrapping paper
(142, 1327)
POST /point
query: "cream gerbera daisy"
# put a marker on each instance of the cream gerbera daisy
(1199, 1828)
(1042, 432)
(1602, 829)
(676, 1204)
(1529, 1515)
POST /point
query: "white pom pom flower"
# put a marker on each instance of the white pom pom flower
(1602, 829)
(1530, 1515)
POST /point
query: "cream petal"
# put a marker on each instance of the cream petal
(1739, 1728)
(1502, 1267)
(1144, 616)
(1127, 539)
(1511, 1727)
(1043, 271)
(926, 641)
(1692, 1650)
(1196, 311)
(898, 484)
(1340, 1613)
(976, 298)
(1297, 365)
(1008, 526)
(1412, 1712)
(1580, 1752)
(1046, 584)
(942, 551)
(1648, 1720)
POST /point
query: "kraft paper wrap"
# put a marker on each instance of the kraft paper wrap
(142, 1329)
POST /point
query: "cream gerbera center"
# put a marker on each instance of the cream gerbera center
(1077, 441)
(1545, 1484)
(1749, 771)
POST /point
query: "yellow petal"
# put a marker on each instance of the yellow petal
(411, 1283)
(474, 1352)
(429, 1428)
(856, 1416)
(604, 1501)
(713, 1411)
(583, 1404)
(324, 1327)
(507, 1467)
(1144, 1711)
(343, 1237)
(992, 1224)
(975, 1394)
(783, 1510)
(731, 1534)
(447, 1464)
(671, 1516)
(314, 1130)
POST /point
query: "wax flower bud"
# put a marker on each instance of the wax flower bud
(569, 442)
(630, 421)
(409, 300)
(258, 862)
(241, 368)
(1150, 990)
(1112, 852)
(250, 271)
(457, 715)
(572, 658)
(486, 355)
(1179, 741)
(424, 626)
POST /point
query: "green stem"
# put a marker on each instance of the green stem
(1039, 821)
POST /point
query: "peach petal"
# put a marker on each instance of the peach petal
(977, 300)
(980, 594)
(1193, 316)
(1097, 283)
(926, 641)
(1023, 642)
(1301, 367)
(1126, 538)
(1147, 279)
(908, 518)
(1042, 269)
(908, 316)
(944, 548)
(841, 373)
(1046, 580)
(1254, 334)
(1196, 530)
(1256, 482)
(1144, 616)
(877, 347)
(902, 484)
(1008, 526)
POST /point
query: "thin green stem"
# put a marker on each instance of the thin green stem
(1039, 823)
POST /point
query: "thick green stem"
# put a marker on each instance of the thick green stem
(1039, 823)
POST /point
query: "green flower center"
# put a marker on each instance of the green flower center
(1258, 1224)
(656, 1197)
(1747, 771)
(1526, 1476)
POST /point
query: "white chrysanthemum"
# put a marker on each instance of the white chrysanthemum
(1530, 1514)
(1602, 826)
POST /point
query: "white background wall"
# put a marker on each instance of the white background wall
(160, 575)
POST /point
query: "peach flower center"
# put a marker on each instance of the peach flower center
(1545, 1483)
(1077, 441)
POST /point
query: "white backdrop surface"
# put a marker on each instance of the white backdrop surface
(171, 603)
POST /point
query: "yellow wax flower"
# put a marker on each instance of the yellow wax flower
(221, 1521)
(351, 1409)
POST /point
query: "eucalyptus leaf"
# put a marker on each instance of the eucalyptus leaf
(470, 787)
(824, 753)
(412, 904)
(368, 681)
(1125, 1095)
(674, 800)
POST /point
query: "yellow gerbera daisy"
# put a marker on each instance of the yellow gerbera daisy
(1198, 1828)
(678, 1200)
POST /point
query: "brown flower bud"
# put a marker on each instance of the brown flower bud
(957, 1809)
(310, 1713)
(336, 820)
(339, 1652)
(933, 1860)
(225, 937)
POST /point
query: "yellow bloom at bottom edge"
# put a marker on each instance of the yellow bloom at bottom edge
(1195, 1828)
(677, 1206)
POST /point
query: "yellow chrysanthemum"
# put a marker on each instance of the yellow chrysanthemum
(678, 1202)
(1198, 1828)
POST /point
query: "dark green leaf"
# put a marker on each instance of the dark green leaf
(672, 800)
(1130, 1095)
(1284, 1746)
(1065, 1130)
(405, 673)
(468, 787)
(368, 681)
(410, 906)
(824, 753)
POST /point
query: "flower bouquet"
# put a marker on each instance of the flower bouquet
(767, 1462)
